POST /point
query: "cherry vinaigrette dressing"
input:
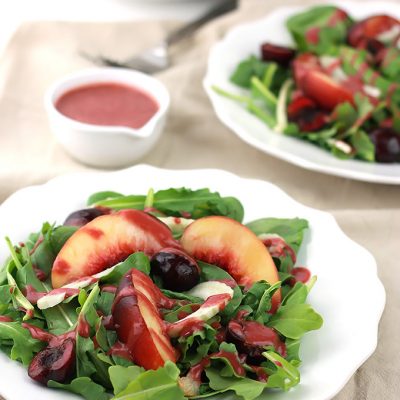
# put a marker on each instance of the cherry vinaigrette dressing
(108, 104)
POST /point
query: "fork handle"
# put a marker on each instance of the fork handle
(189, 28)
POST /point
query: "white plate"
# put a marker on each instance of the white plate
(245, 40)
(347, 273)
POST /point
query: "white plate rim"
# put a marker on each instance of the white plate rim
(224, 177)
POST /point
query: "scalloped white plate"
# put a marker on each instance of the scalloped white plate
(244, 40)
(347, 273)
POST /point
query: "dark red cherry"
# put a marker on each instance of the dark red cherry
(251, 338)
(387, 145)
(82, 217)
(279, 54)
(371, 28)
(55, 363)
(305, 113)
(178, 271)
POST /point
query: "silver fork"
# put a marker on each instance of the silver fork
(156, 58)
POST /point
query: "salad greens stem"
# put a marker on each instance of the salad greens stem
(290, 371)
(269, 97)
(310, 284)
(148, 203)
(281, 116)
(222, 92)
(269, 74)
(60, 308)
(13, 253)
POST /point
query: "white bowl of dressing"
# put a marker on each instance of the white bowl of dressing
(107, 117)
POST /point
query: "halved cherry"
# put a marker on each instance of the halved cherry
(55, 362)
(387, 145)
(251, 338)
(279, 54)
(84, 216)
(362, 33)
(324, 90)
(305, 113)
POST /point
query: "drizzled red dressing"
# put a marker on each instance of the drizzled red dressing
(108, 104)
(301, 274)
(196, 371)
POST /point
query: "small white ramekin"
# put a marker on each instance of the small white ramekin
(107, 146)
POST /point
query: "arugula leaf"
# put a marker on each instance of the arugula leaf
(23, 346)
(61, 318)
(83, 386)
(363, 144)
(354, 59)
(104, 302)
(290, 229)
(52, 240)
(195, 347)
(181, 201)
(293, 349)
(87, 361)
(227, 368)
(59, 235)
(137, 261)
(247, 69)
(294, 320)
(19, 300)
(154, 385)
(181, 296)
(286, 375)
(318, 19)
(297, 295)
(100, 196)
(121, 376)
(258, 298)
(173, 316)
(390, 65)
(5, 297)
(345, 116)
(247, 389)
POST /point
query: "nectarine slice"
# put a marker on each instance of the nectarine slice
(107, 240)
(324, 90)
(138, 322)
(233, 247)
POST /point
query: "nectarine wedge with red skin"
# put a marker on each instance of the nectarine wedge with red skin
(233, 247)
(324, 90)
(304, 63)
(107, 240)
(138, 322)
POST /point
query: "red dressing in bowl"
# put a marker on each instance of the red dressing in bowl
(108, 104)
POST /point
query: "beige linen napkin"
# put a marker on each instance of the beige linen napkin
(41, 52)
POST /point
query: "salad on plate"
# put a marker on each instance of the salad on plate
(338, 87)
(165, 295)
